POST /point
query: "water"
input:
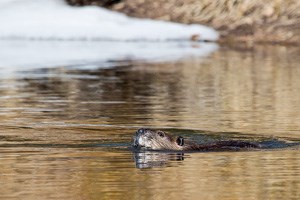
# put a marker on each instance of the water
(66, 130)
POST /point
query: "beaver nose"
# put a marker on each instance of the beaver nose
(141, 131)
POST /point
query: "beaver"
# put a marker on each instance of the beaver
(160, 140)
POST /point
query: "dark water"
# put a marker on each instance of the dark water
(65, 131)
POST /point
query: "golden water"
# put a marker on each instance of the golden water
(65, 132)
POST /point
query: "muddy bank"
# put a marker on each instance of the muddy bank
(265, 21)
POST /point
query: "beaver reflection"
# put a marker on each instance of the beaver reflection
(158, 140)
(150, 159)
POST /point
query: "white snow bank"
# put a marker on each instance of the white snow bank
(54, 19)
(24, 55)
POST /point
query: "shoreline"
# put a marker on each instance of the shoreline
(249, 22)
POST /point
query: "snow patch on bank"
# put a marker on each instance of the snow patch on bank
(55, 20)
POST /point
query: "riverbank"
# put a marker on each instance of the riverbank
(265, 21)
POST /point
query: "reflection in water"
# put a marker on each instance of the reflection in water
(98, 174)
(94, 112)
(149, 159)
(254, 92)
(216, 97)
(15, 55)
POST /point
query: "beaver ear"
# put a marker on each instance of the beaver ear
(180, 141)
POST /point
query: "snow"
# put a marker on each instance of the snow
(37, 34)
(55, 20)
(26, 55)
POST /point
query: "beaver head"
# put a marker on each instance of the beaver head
(157, 140)
(160, 140)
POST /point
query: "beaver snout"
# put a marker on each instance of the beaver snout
(156, 140)
(137, 139)
(143, 138)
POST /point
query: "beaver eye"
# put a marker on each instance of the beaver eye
(180, 141)
(161, 134)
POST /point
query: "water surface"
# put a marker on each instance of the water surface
(65, 130)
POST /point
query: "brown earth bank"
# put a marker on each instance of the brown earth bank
(247, 21)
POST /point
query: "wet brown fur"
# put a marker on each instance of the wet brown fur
(159, 140)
